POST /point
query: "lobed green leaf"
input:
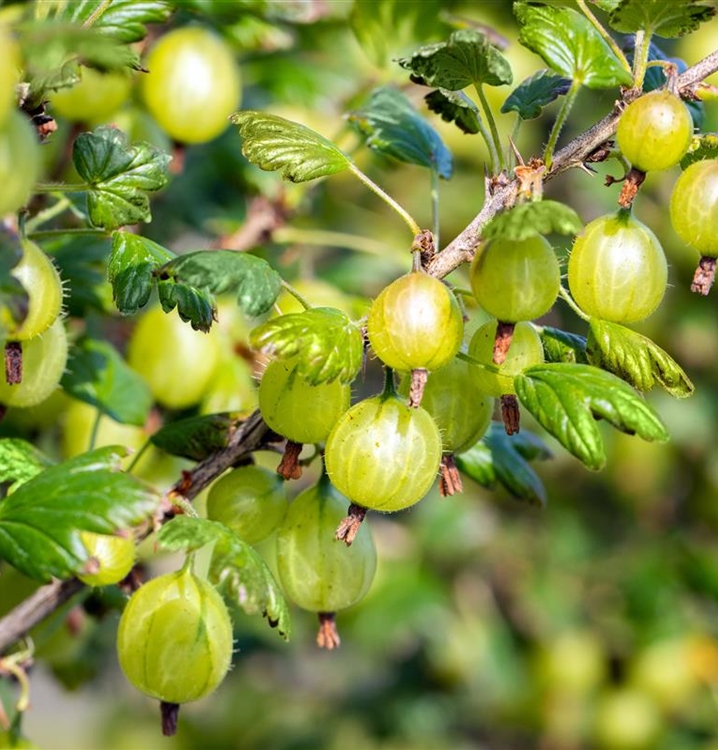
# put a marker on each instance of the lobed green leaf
(98, 375)
(20, 461)
(666, 19)
(635, 359)
(567, 400)
(120, 176)
(502, 459)
(702, 147)
(393, 127)
(196, 438)
(327, 345)
(195, 306)
(456, 107)
(562, 346)
(130, 271)
(467, 58)
(41, 522)
(273, 143)
(530, 97)
(568, 43)
(529, 219)
(238, 572)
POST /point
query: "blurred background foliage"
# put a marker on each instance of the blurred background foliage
(592, 623)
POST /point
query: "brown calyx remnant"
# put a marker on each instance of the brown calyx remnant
(449, 478)
(349, 527)
(424, 245)
(704, 276)
(510, 413)
(289, 467)
(170, 718)
(502, 341)
(328, 635)
(13, 363)
(419, 377)
(632, 182)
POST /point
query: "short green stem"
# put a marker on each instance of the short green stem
(97, 13)
(495, 143)
(297, 296)
(563, 113)
(435, 217)
(405, 215)
(389, 387)
(95, 429)
(50, 233)
(610, 41)
(135, 459)
(61, 187)
(641, 49)
(568, 299)
(47, 214)
(322, 238)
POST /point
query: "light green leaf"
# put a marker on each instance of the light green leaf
(502, 459)
(635, 359)
(238, 572)
(273, 143)
(327, 344)
(20, 461)
(120, 176)
(40, 523)
(394, 128)
(131, 268)
(455, 106)
(570, 45)
(567, 399)
(666, 19)
(529, 219)
(468, 58)
(98, 375)
(533, 94)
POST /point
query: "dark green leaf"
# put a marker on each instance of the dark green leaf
(635, 358)
(133, 261)
(498, 459)
(533, 94)
(607, 5)
(195, 306)
(98, 375)
(82, 262)
(238, 572)
(394, 128)
(124, 20)
(529, 219)
(13, 296)
(455, 106)
(568, 399)
(273, 143)
(120, 176)
(255, 282)
(468, 58)
(702, 147)
(562, 346)
(328, 345)
(40, 523)
(666, 19)
(20, 461)
(570, 45)
(196, 437)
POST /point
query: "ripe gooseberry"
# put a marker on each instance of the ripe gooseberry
(525, 351)
(655, 131)
(193, 84)
(249, 500)
(94, 99)
(41, 281)
(515, 280)
(383, 454)
(174, 640)
(19, 162)
(617, 270)
(694, 207)
(293, 408)
(415, 323)
(111, 558)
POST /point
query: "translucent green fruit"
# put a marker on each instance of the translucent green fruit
(694, 207)
(299, 411)
(516, 280)
(95, 98)
(19, 162)
(249, 500)
(174, 641)
(9, 67)
(655, 131)
(317, 572)
(193, 84)
(112, 558)
(525, 351)
(617, 270)
(383, 454)
(415, 323)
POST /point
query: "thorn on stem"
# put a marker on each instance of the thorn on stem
(510, 413)
(450, 480)
(289, 467)
(328, 635)
(349, 527)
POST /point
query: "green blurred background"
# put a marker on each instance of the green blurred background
(491, 624)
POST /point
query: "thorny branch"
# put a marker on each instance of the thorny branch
(254, 434)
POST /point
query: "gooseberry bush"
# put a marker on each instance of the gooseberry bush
(306, 412)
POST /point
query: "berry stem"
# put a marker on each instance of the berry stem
(568, 299)
(405, 215)
(135, 459)
(47, 214)
(297, 296)
(563, 113)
